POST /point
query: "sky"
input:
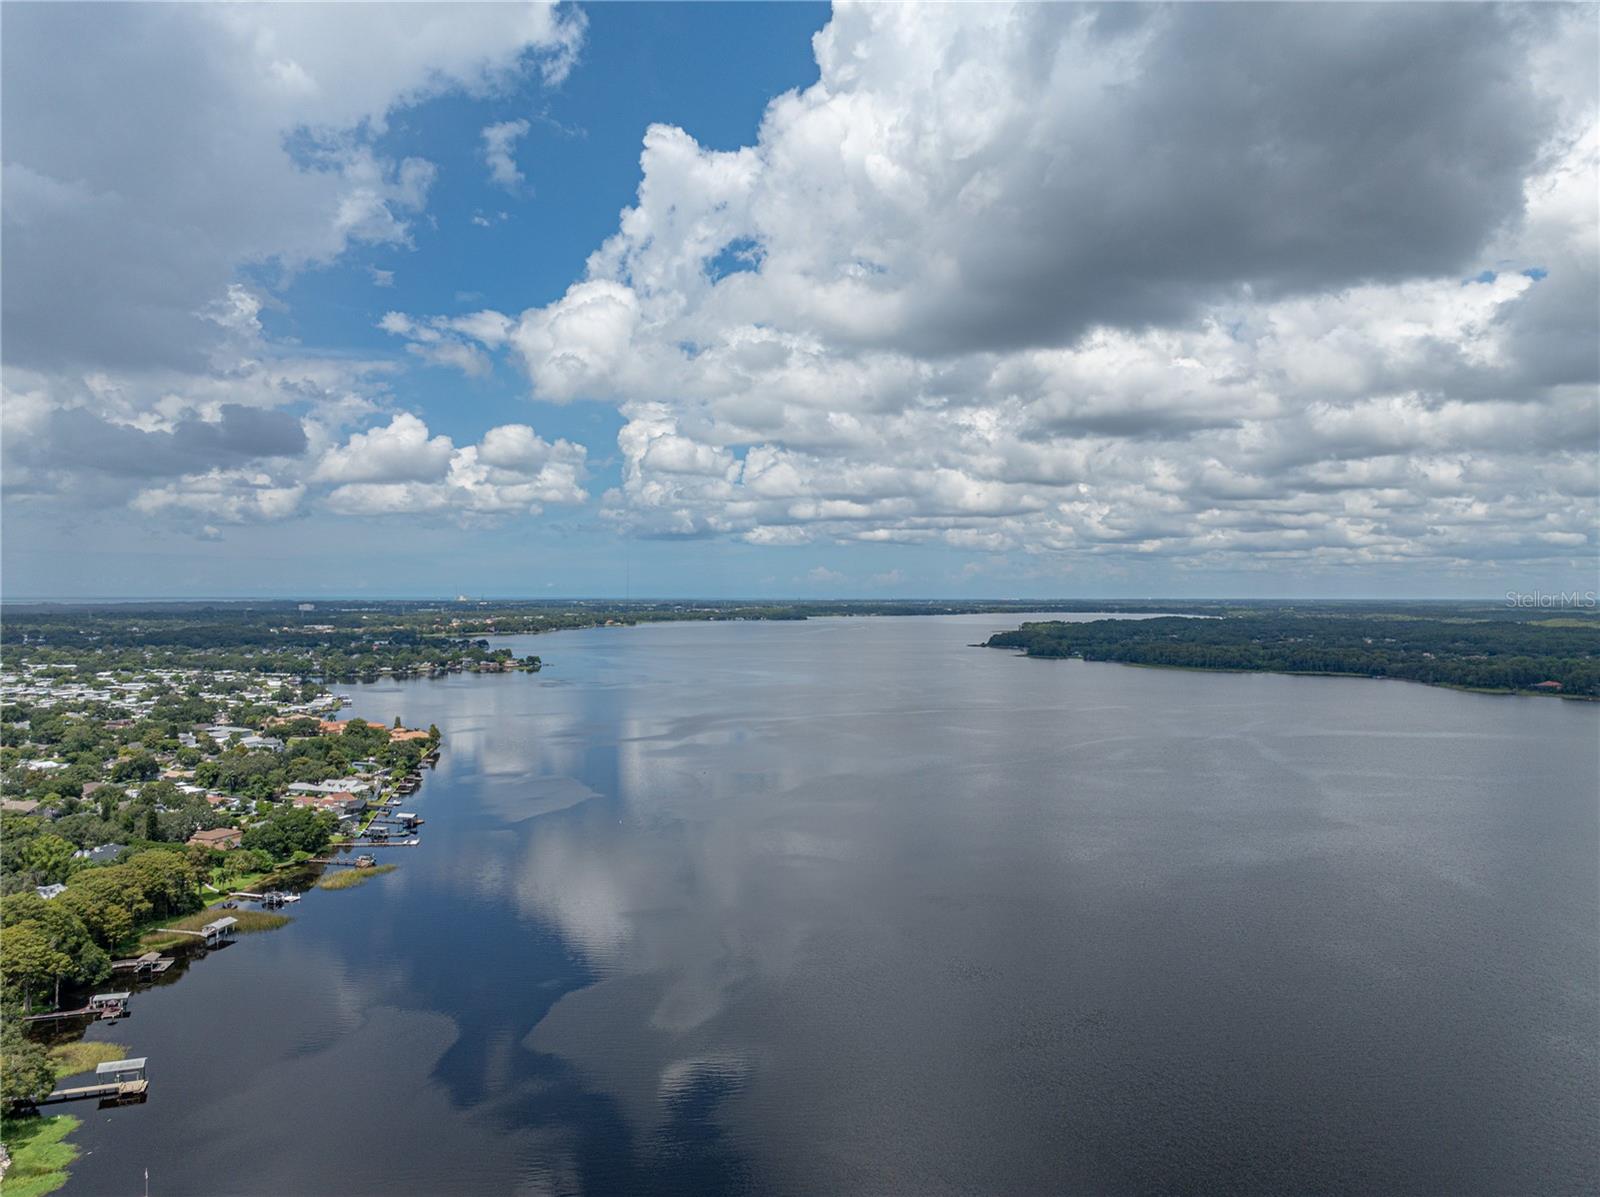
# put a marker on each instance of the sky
(788, 300)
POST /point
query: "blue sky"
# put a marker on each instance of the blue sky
(709, 68)
(766, 300)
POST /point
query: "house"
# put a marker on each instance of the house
(266, 743)
(218, 837)
(89, 787)
(330, 727)
(341, 803)
(224, 732)
(103, 855)
(1551, 686)
(339, 785)
(18, 806)
(50, 891)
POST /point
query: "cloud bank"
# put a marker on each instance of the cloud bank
(1306, 286)
(1302, 288)
(167, 167)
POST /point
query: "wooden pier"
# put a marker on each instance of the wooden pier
(119, 1090)
(150, 962)
(116, 1081)
(213, 933)
(101, 1006)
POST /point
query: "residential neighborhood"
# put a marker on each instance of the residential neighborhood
(135, 796)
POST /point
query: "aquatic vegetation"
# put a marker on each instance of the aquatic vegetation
(350, 878)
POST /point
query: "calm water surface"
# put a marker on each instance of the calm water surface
(849, 906)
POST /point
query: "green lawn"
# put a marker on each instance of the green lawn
(40, 1154)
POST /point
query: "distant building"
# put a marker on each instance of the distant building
(343, 804)
(306, 607)
(339, 785)
(104, 854)
(263, 743)
(50, 891)
(1547, 686)
(218, 837)
(18, 806)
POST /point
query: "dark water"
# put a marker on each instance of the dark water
(847, 906)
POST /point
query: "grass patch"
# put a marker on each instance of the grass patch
(352, 877)
(69, 1059)
(39, 1154)
(246, 881)
(249, 921)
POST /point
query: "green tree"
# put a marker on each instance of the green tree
(28, 962)
(138, 766)
(49, 856)
(288, 830)
(26, 1073)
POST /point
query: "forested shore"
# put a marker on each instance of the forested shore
(1555, 653)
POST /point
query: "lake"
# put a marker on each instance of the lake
(847, 905)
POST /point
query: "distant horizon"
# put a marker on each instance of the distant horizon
(1584, 599)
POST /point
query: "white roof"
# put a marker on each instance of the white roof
(133, 1065)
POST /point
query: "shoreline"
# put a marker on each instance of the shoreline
(1359, 677)
(47, 1150)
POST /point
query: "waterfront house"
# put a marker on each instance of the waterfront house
(218, 837)
(339, 785)
(50, 891)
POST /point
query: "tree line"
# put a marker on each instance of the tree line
(1500, 654)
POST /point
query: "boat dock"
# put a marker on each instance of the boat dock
(150, 962)
(106, 1006)
(117, 1080)
(273, 897)
(213, 933)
